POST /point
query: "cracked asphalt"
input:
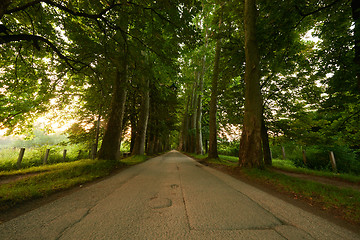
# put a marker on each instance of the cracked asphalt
(170, 197)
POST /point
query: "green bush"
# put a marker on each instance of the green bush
(228, 148)
(317, 158)
(292, 151)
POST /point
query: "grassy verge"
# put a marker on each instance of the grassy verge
(288, 165)
(343, 202)
(54, 178)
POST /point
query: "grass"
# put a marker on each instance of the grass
(57, 177)
(34, 156)
(345, 202)
(288, 165)
(132, 160)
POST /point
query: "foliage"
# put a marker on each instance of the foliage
(58, 55)
(317, 157)
(228, 148)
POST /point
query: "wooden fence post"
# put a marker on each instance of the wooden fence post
(46, 156)
(333, 162)
(20, 158)
(79, 156)
(93, 151)
(283, 152)
(64, 155)
(304, 156)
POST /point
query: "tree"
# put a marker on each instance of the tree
(213, 153)
(250, 151)
(141, 127)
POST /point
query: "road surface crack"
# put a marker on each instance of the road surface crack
(183, 199)
(60, 235)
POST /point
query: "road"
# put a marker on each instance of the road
(170, 197)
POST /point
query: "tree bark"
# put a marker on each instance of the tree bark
(265, 144)
(184, 128)
(355, 6)
(192, 135)
(97, 132)
(213, 153)
(250, 151)
(198, 137)
(139, 145)
(199, 143)
(110, 147)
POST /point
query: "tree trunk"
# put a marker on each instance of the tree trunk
(184, 128)
(151, 144)
(355, 5)
(213, 153)
(97, 133)
(133, 120)
(250, 151)
(110, 147)
(199, 143)
(192, 135)
(132, 133)
(265, 144)
(139, 145)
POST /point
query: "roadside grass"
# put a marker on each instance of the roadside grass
(345, 202)
(342, 200)
(133, 160)
(289, 166)
(197, 156)
(57, 177)
(34, 156)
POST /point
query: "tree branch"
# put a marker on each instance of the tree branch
(154, 11)
(68, 10)
(304, 15)
(35, 38)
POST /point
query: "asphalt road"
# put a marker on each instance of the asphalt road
(170, 197)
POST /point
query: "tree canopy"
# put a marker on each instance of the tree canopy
(183, 74)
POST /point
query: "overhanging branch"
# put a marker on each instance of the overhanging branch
(304, 15)
(60, 6)
(35, 38)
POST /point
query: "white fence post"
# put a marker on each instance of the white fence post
(333, 162)
(283, 152)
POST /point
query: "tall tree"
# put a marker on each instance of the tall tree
(250, 151)
(213, 152)
(355, 6)
(142, 124)
(110, 147)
